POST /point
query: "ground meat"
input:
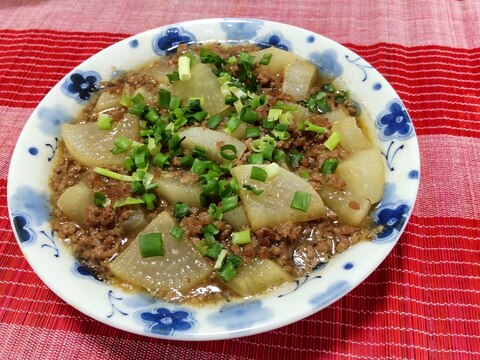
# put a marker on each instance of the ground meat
(195, 221)
(66, 171)
(189, 177)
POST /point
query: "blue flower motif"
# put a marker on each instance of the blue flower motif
(333, 292)
(394, 122)
(162, 321)
(327, 62)
(83, 271)
(274, 39)
(234, 316)
(80, 85)
(241, 30)
(52, 118)
(26, 200)
(21, 225)
(168, 41)
(393, 218)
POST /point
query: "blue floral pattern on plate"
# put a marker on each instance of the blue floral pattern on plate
(241, 31)
(392, 217)
(168, 40)
(52, 118)
(333, 291)
(23, 229)
(162, 321)
(275, 39)
(80, 85)
(394, 122)
(27, 200)
(327, 62)
(235, 316)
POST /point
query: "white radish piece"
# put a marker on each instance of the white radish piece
(172, 190)
(272, 207)
(74, 202)
(297, 79)
(279, 60)
(352, 136)
(180, 269)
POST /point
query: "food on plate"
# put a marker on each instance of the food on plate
(214, 173)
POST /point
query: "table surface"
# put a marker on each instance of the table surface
(423, 300)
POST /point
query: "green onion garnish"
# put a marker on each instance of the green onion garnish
(241, 237)
(163, 98)
(210, 229)
(252, 189)
(184, 68)
(151, 245)
(229, 268)
(301, 201)
(333, 141)
(181, 210)
(209, 57)
(328, 88)
(104, 122)
(112, 174)
(257, 173)
(150, 200)
(229, 203)
(175, 103)
(214, 121)
(100, 199)
(314, 128)
(265, 60)
(122, 144)
(228, 152)
(128, 201)
(177, 232)
(274, 114)
(255, 158)
(161, 160)
(215, 211)
(329, 166)
(221, 257)
(267, 151)
(294, 158)
(232, 123)
(248, 115)
(199, 166)
(252, 132)
(258, 101)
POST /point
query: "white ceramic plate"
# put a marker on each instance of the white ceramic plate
(28, 191)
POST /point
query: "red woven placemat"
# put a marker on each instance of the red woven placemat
(423, 300)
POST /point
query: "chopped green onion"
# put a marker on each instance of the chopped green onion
(184, 68)
(248, 115)
(151, 245)
(341, 96)
(255, 158)
(163, 98)
(257, 173)
(177, 232)
(215, 211)
(196, 103)
(228, 152)
(279, 155)
(238, 105)
(329, 166)
(122, 144)
(286, 118)
(253, 190)
(305, 175)
(161, 160)
(214, 121)
(333, 141)
(314, 128)
(128, 201)
(241, 237)
(239, 93)
(199, 166)
(232, 123)
(126, 101)
(100, 199)
(294, 158)
(138, 109)
(210, 229)
(328, 88)
(229, 203)
(229, 268)
(230, 100)
(112, 174)
(272, 170)
(283, 106)
(137, 187)
(281, 135)
(175, 103)
(213, 251)
(301, 201)
(138, 98)
(252, 132)
(267, 151)
(258, 101)
(104, 122)
(174, 76)
(150, 200)
(152, 116)
(221, 257)
(274, 114)
(181, 210)
(265, 60)
(209, 57)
